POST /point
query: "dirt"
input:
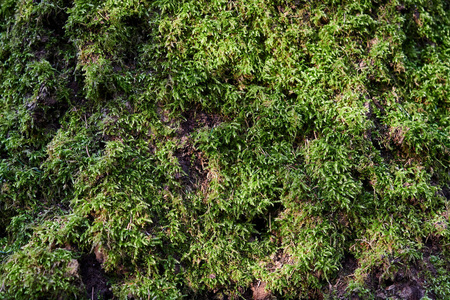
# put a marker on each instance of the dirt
(192, 161)
(259, 291)
(94, 278)
(256, 291)
(191, 120)
(76, 96)
(407, 282)
(379, 135)
(404, 284)
(73, 268)
(195, 119)
(193, 164)
(46, 110)
(339, 286)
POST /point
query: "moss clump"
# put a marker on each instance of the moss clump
(40, 273)
(217, 148)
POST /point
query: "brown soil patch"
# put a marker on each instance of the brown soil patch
(339, 287)
(94, 278)
(193, 164)
(278, 260)
(397, 135)
(192, 161)
(446, 193)
(195, 119)
(404, 284)
(259, 292)
(408, 282)
(256, 291)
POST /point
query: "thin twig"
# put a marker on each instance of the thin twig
(270, 222)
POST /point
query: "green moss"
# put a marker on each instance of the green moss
(52, 274)
(200, 146)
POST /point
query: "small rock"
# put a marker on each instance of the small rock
(73, 267)
(381, 295)
(260, 293)
(406, 293)
(391, 287)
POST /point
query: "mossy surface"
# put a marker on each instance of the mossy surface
(223, 149)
